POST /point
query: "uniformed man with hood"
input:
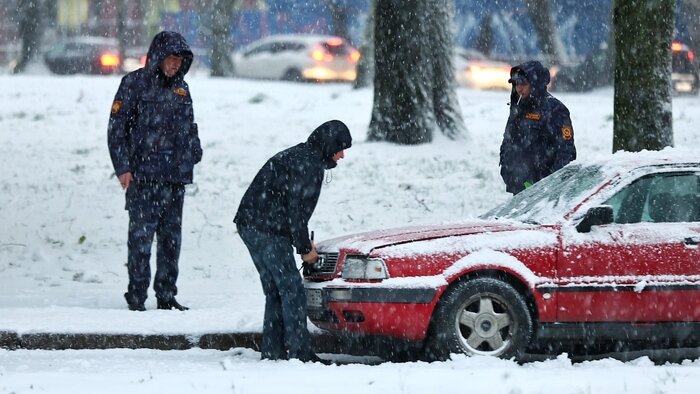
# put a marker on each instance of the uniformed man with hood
(272, 219)
(539, 137)
(154, 145)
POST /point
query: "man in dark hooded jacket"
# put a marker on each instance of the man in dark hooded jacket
(272, 218)
(154, 145)
(539, 137)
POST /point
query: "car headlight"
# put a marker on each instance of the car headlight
(358, 267)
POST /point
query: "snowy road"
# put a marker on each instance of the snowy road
(240, 371)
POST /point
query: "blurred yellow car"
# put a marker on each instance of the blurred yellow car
(474, 70)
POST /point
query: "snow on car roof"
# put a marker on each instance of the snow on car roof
(621, 161)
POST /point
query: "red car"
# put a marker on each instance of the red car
(605, 249)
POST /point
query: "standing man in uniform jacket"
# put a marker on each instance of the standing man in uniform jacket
(154, 145)
(272, 218)
(539, 137)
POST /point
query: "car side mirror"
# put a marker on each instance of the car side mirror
(595, 216)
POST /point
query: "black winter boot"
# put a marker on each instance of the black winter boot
(134, 305)
(171, 304)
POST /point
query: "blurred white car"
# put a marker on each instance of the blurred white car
(297, 57)
(474, 70)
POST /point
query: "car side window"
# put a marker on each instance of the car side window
(628, 203)
(277, 47)
(259, 50)
(284, 46)
(658, 198)
(673, 198)
(57, 49)
(72, 47)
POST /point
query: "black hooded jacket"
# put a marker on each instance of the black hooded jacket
(539, 137)
(284, 193)
(151, 131)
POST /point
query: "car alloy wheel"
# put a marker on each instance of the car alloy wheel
(482, 317)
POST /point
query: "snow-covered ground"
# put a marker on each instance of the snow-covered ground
(63, 236)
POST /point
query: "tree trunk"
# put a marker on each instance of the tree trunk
(445, 104)
(122, 31)
(365, 67)
(541, 17)
(29, 31)
(221, 19)
(414, 84)
(643, 31)
(339, 14)
(484, 41)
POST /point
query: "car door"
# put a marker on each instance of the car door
(254, 63)
(643, 267)
(284, 57)
(74, 57)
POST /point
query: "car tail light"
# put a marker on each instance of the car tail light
(678, 47)
(321, 55)
(142, 60)
(354, 56)
(109, 59)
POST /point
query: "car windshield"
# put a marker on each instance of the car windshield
(548, 200)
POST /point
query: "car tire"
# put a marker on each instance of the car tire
(483, 316)
(293, 75)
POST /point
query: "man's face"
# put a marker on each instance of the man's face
(523, 89)
(338, 155)
(171, 65)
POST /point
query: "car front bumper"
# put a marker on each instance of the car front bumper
(399, 312)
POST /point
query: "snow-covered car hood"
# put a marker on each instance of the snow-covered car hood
(364, 243)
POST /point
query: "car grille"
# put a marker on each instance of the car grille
(327, 263)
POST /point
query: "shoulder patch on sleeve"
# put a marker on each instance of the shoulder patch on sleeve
(180, 92)
(567, 132)
(116, 106)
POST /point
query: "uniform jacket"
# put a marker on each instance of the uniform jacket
(151, 131)
(539, 137)
(284, 193)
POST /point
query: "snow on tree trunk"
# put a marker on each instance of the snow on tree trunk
(643, 31)
(414, 83)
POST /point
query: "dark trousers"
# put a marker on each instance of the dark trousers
(154, 209)
(284, 328)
